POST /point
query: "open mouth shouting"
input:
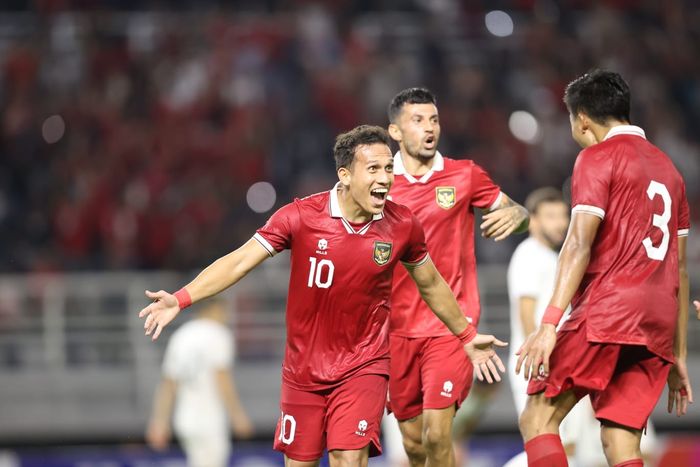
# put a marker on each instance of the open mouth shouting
(430, 142)
(379, 195)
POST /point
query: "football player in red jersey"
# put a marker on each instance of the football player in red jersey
(623, 269)
(430, 375)
(345, 244)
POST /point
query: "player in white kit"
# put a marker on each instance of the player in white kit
(198, 390)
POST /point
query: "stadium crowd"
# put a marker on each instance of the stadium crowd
(129, 139)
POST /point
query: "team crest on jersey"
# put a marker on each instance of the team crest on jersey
(446, 196)
(382, 252)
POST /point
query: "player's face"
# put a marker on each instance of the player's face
(580, 131)
(552, 221)
(418, 130)
(370, 177)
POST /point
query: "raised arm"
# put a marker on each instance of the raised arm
(218, 276)
(506, 218)
(441, 300)
(573, 261)
(680, 392)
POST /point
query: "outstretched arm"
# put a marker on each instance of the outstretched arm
(680, 392)
(573, 261)
(221, 274)
(507, 218)
(440, 299)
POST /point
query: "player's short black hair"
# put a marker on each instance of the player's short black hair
(346, 143)
(543, 195)
(409, 96)
(601, 95)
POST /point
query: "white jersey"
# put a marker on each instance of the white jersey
(194, 353)
(531, 273)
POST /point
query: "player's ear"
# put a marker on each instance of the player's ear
(344, 176)
(394, 132)
(585, 121)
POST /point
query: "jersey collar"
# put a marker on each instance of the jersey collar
(334, 205)
(621, 130)
(400, 169)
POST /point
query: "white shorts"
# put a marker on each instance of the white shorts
(210, 450)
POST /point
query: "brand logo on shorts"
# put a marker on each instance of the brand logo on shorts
(382, 252)
(361, 428)
(446, 196)
(447, 389)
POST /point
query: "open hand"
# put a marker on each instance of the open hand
(535, 352)
(159, 313)
(481, 351)
(502, 222)
(680, 393)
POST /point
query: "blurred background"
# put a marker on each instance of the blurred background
(139, 140)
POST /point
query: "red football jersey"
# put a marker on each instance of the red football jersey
(339, 286)
(443, 200)
(628, 294)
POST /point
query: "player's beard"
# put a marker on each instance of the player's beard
(422, 153)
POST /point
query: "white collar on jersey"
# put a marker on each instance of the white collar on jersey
(621, 130)
(400, 169)
(336, 213)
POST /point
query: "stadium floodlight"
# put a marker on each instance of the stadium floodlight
(499, 23)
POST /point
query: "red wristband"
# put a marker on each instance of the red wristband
(552, 315)
(467, 335)
(183, 298)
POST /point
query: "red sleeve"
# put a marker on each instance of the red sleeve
(416, 251)
(590, 184)
(276, 235)
(485, 193)
(683, 214)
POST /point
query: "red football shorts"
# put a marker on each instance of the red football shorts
(624, 381)
(344, 417)
(427, 373)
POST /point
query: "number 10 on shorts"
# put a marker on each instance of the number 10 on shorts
(288, 427)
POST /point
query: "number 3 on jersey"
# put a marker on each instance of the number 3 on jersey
(661, 221)
(321, 273)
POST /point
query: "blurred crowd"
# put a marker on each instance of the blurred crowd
(129, 138)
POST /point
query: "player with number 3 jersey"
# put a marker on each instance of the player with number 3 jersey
(622, 268)
(345, 244)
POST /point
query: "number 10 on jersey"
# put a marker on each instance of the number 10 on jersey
(321, 273)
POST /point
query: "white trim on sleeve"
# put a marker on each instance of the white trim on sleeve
(496, 203)
(683, 232)
(596, 211)
(265, 244)
(420, 262)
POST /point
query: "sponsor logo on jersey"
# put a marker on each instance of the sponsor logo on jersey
(382, 252)
(447, 389)
(322, 247)
(446, 196)
(362, 428)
